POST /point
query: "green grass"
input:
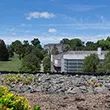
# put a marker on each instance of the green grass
(13, 65)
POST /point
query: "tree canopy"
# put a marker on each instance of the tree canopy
(90, 63)
(4, 55)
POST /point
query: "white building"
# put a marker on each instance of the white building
(72, 61)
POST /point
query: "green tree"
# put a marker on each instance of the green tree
(30, 63)
(28, 49)
(25, 43)
(36, 43)
(4, 55)
(18, 48)
(10, 51)
(47, 63)
(76, 44)
(91, 46)
(90, 63)
(105, 67)
(65, 41)
(39, 53)
(102, 44)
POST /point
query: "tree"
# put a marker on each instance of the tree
(76, 44)
(65, 41)
(30, 63)
(102, 44)
(35, 42)
(25, 43)
(39, 53)
(28, 49)
(90, 63)
(10, 51)
(105, 67)
(90, 46)
(55, 50)
(47, 63)
(18, 48)
(4, 55)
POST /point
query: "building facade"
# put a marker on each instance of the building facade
(72, 61)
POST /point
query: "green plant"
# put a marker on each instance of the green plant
(16, 78)
(11, 101)
(36, 107)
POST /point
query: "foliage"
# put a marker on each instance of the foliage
(36, 107)
(18, 48)
(75, 44)
(10, 51)
(36, 43)
(91, 46)
(30, 63)
(4, 55)
(47, 63)
(65, 41)
(16, 78)
(90, 63)
(11, 101)
(106, 66)
(36, 51)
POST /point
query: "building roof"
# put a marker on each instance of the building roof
(78, 54)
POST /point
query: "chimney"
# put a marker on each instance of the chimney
(52, 58)
(99, 51)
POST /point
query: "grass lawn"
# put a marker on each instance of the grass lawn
(13, 65)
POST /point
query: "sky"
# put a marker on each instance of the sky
(52, 20)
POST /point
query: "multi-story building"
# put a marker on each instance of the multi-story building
(72, 61)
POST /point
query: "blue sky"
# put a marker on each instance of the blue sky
(52, 20)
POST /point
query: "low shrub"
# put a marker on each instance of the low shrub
(11, 101)
(16, 78)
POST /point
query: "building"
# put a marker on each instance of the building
(72, 61)
(60, 47)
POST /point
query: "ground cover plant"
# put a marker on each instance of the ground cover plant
(11, 101)
(16, 78)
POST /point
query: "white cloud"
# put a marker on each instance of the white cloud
(39, 15)
(52, 30)
(53, 39)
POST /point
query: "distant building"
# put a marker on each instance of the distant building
(72, 61)
(61, 47)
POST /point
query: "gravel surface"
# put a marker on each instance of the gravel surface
(70, 102)
(64, 92)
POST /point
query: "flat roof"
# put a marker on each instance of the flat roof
(80, 56)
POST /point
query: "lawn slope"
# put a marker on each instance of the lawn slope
(13, 65)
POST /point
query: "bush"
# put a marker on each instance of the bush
(11, 101)
(16, 78)
(36, 107)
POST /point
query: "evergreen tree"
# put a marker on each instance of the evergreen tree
(4, 55)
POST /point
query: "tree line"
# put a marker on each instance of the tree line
(78, 44)
(32, 54)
